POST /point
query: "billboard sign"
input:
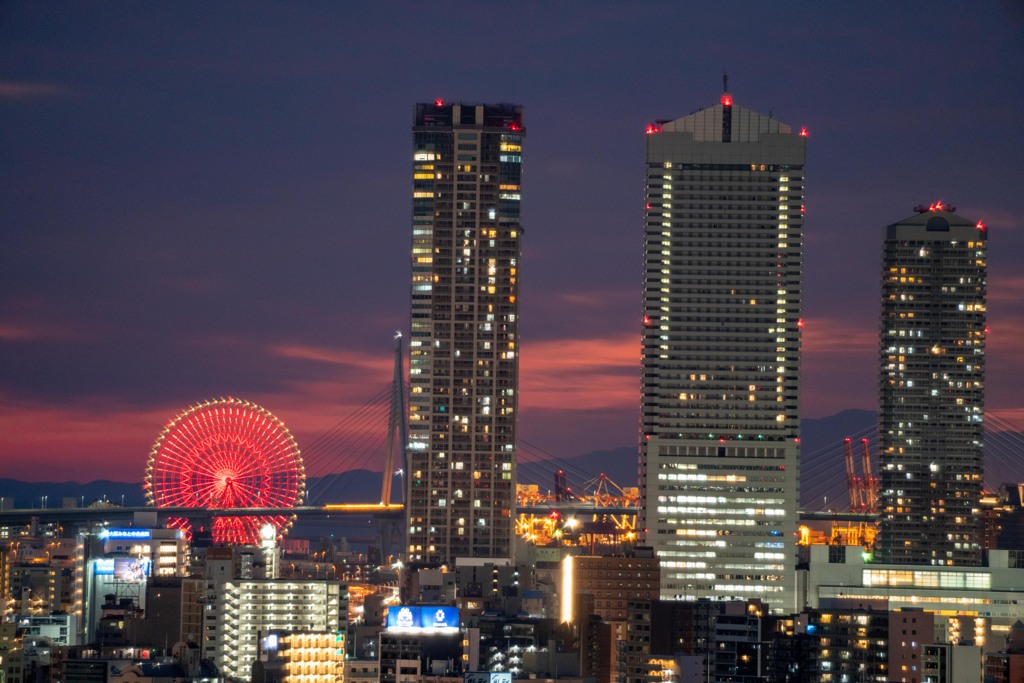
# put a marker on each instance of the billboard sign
(439, 617)
(131, 570)
(127, 534)
(127, 569)
(423, 618)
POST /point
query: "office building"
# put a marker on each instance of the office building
(464, 347)
(721, 350)
(991, 595)
(612, 581)
(931, 395)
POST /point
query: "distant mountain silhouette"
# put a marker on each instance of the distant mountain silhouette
(822, 473)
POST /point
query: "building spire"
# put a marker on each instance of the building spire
(725, 82)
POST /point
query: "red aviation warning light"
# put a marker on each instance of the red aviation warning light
(726, 100)
(438, 102)
(803, 132)
(980, 225)
(653, 128)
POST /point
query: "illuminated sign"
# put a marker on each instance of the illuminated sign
(403, 617)
(128, 534)
(439, 617)
(423, 618)
(131, 570)
(127, 569)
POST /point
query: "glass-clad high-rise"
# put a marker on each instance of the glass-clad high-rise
(724, 231)
(932, 389)
(464, 347)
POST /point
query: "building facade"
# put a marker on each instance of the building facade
(721, 349)
(931, 395)
(612, 581)
(464, 346)
(239, 611)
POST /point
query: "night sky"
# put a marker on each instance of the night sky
(212, 199)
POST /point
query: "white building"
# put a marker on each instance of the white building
(992, 594)
(721, 351)
(234, 611)
(59, 629)
(165, 550)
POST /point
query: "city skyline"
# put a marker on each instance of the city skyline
(218, 219)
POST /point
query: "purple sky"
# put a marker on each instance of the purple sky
(208, 199)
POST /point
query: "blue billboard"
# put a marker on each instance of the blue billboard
(439, 617)
(423, 617)
(127, 534)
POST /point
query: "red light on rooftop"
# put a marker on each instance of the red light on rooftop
(514, 125)
(980, 226)
(803, 132)
(653, 128)
(726, 100)
(438, 102)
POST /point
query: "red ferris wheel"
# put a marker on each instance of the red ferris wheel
(227, 453)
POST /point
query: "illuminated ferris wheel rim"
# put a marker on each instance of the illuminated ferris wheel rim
(227, 453)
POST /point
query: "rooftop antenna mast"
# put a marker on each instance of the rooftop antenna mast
(725, 82)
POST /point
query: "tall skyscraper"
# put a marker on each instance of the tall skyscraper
(721, 351)
(932, 389)
(464, 348)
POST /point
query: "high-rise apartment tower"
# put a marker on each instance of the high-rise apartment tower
(464, 348)
(721, 351)
(932, 389)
